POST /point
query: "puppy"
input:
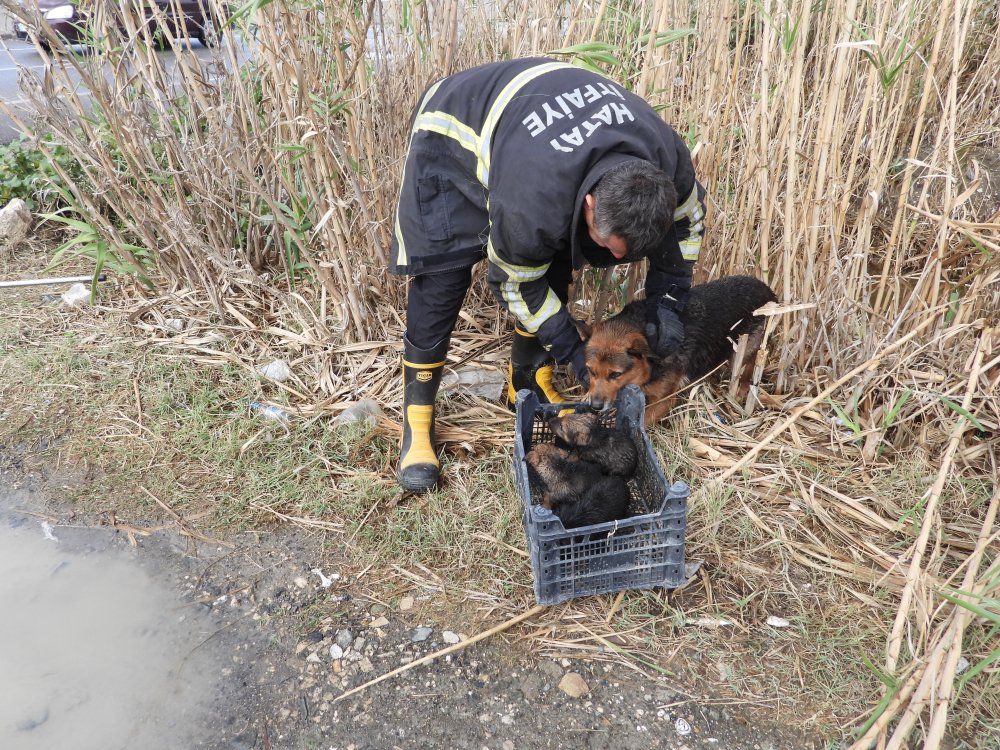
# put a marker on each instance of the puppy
(575, 490)
(604, 501)
(715, 316)
(561, 475)
(613, 451)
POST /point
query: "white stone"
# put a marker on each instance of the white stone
(777, 622)
(76, 295)
(15, 221)
(336, 652)
(419, 635)
(406, 603)
(450, 638)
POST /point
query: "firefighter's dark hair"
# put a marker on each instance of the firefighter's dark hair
(635, 201)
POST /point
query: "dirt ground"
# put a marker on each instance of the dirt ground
(295, 639)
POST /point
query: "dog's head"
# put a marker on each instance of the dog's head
(575, 429)
(617, 354)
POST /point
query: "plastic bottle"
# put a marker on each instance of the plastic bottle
(269, 412)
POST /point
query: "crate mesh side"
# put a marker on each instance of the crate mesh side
(644, 554)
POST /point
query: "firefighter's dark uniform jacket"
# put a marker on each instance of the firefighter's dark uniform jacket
(500, 160)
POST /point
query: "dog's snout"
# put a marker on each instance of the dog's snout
(599, 404)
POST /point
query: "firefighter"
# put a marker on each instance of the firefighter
(539, 167)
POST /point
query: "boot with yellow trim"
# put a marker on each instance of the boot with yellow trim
(419, 467)
(531, 367)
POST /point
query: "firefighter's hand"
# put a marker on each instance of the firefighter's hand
(664, 329)
(579, 364)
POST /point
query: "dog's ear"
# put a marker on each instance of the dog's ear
(583, 328)
(554, 425)
(635, 353)
(637, 347)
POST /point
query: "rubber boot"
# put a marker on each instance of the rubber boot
(419, 467)
(531, 367)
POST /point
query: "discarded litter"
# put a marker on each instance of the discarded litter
(962, 665)
(682, 727)
(323, 580)
(76, 295)
(174, 325)
(486, 382)
(363, 409)
(270, 412)
(709, 622)
(277, 371)
(777, 622)
(47, 530)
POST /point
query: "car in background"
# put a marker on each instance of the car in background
(70, 20)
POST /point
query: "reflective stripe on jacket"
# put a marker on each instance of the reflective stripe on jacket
(500, 159)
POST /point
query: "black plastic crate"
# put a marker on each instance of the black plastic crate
(643, 551)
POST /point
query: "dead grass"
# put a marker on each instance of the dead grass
(794, 535)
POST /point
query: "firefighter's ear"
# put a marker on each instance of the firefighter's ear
(583, 328)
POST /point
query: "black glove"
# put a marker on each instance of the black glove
(578, 362)
(674, 283)
(567, 347)
(664, 329)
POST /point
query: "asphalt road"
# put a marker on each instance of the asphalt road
(16, 55)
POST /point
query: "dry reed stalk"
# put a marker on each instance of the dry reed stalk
(946, 682)
(915, 571)
(930, 513)
(791, 419)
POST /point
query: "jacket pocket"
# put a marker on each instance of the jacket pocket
(434, 194)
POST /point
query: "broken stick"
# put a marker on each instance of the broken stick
(444, 652)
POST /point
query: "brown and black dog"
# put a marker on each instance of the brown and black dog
(715, 316)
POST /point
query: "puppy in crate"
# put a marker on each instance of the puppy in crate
(584, 474)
